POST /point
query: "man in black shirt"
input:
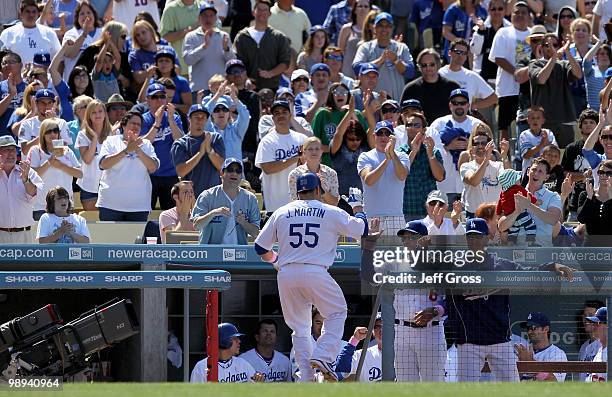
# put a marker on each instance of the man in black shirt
(431, 89)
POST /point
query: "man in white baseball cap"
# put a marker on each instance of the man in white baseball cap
(437, 224)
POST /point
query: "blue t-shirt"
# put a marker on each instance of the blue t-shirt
(182, 85)
(67, 8)
(162, 143)
(15, 103)
(63, 91)
(427, 14)
(460, 23)
(141, 59)
(204, 175)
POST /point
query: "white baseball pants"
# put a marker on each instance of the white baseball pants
(501, 358)
(300, 287)
(420, 353)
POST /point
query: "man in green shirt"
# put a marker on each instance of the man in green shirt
(179, 18)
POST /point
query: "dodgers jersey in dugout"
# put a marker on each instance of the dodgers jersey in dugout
(279, 370)
(307, 232)
(234, 370)
(372, 365)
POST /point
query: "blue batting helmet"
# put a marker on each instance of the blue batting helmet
(307, 181)
(227, 331)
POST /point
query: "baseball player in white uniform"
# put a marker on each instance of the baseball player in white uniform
(600, 328)
(307, 233)
(540, 349)
(274, 365)
(232, 369)
(420, 346)
(348, 360)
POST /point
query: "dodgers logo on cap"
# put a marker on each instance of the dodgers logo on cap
(307, 181)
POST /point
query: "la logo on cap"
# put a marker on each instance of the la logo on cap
(472, 224)
(529, 316)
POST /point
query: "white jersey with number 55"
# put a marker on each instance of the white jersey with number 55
(307, 232)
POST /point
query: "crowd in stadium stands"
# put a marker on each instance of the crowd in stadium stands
(438, 110)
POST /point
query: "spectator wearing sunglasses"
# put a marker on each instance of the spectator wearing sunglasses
(605, 139)
(563, 19)
(595, 208)
(392, 57)
(334, 58)
(383, 172)
(227, 213)
(161, 126)
(298, 124)
(550, 80)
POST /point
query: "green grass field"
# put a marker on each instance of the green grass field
(326, 390)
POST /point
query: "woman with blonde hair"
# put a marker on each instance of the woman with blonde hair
(78, 108)
(580, 31)
(367, 30)
(54, 162)
(26, 110)
(144, 47)
(95, 129)
(312, 151)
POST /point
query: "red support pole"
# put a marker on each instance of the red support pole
(212, 334)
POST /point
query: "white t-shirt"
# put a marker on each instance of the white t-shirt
(527, 141)
(468, 80)
(91, 172)
(488, 189)
(510, 45)
(73, 34)
(603, 8)
(235, 370)
(446, 228)
(126, 186)
(277, 147)
(30, 129)
(230, 237)
(279, 370)
(53, 176)
(452, 182)
(28, 42)
(600, 357)
(125, 11)
(386, 196)
(372, 365)
(307, 232)
(552, 353)
(48, 223)
(256, 34)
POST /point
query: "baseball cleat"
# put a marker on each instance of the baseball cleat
(326, 369)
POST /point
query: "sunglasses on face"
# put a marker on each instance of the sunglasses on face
(384, 132)
(604, 173)
(236, 72)
(497, 9)
(459, 103)
(338, 58)
(427, 65)
(388, 109)
(221, 109)
(235, 170)
(53, 131)
(459, 52)
(553, 45)
(304, 79)
(340, 91)
(353, 139)
(566, 16)
(435, 203)
(413, 125)
(158, 97)
(605, 137)
(590, 3)
(480, 143)
(117, 108)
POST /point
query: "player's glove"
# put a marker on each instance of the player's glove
(355, 198)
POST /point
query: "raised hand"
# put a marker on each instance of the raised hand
(416, 142)
(25, 170)
(360, 333)
(589, 188)
(504, 147)
(567, 186)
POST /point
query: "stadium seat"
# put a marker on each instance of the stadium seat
(154, 215)
(90, 215)
(182, 237)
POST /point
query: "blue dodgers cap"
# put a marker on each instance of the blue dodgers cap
(459, 92)
(417, 227)
(536, 319)
(476, 226)
(316, 28)
(229, 161)
(367, 67)
(383, 16)
(198, 108)
(165, 52)
(45, 94)
(283, 91)
(601, 316)
(382, 125)
(282, 103)
(155, 88)
(232, 63)
(42, 59)
(608, 73)
(307, 181)
(207, 6)
(411, 104)
(319, 67)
